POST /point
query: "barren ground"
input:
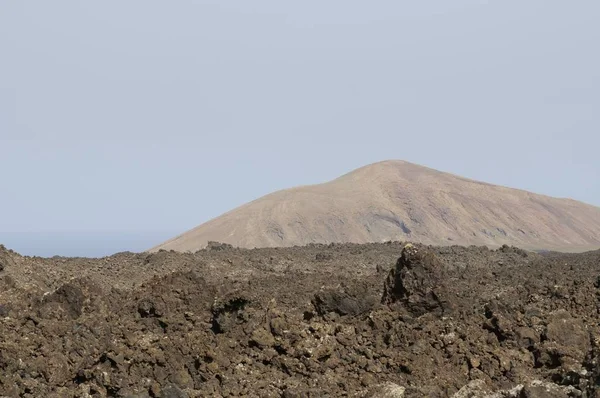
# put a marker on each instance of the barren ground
(315, 321)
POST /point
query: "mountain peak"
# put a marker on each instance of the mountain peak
(399, 200)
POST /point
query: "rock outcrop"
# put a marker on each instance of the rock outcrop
(303, 322)
(417, 282)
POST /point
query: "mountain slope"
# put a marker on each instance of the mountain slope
(397, 200)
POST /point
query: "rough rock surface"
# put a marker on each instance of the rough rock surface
(416, 282)
(5, 258)
(376, 320)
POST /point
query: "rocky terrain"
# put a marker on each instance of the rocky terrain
(397, 200)
(372, 320)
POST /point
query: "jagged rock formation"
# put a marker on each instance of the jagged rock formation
(336, 320)
(414, 281)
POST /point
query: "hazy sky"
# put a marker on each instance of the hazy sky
(123, 123)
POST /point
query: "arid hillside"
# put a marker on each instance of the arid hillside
(397, 200)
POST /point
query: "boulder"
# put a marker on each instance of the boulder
(348, 299)
(386, 390)
(417, 282)
(6, 260)
(539, 389)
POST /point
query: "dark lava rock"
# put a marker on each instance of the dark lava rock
(172, 391)
(148, 309)
(218, 246)
(5, 258)
(185, 324)
(4, 310)
(69, 300)
(350, 300)
(226, 315)
(526, 338)
(323, 257)
(416, 282)
(513, 249)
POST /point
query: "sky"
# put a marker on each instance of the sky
(123, 124)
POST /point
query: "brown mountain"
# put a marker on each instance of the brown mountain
(397, 200)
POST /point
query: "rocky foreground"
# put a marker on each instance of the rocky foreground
(377, 320)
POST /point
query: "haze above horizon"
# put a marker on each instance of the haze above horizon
(123, 124)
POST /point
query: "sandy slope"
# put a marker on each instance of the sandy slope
(397, 200)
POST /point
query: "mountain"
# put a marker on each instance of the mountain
(398, 200)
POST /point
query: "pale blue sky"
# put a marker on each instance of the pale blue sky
(123, 123)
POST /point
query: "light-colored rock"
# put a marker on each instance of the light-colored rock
(479, 389)
(475, 389)
(540, 389)
(387, 390)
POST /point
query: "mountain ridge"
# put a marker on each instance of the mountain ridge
(399, 200)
